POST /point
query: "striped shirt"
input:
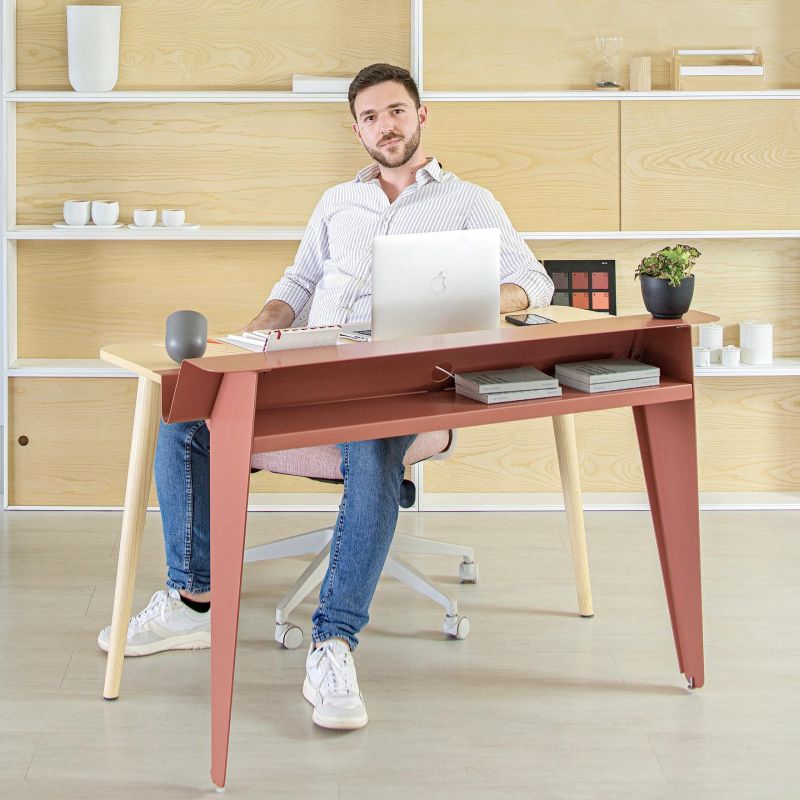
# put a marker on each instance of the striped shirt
(334, 260)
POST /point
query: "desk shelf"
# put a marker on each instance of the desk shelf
(281, 428)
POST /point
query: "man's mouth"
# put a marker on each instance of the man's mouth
(389, 142)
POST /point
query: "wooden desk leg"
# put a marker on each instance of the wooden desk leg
(231, 445)
(567, 449)
(668, 445)
(137, 490)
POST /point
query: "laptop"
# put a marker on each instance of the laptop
(429, 283)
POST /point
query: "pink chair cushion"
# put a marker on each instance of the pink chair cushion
(323, 461)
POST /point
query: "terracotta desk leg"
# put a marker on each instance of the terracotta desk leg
(668, 445)
(137, 490)
(567, 449)
(231, 445)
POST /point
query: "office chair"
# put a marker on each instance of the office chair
(322, 463)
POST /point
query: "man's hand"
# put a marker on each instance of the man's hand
(512, 298)
(275, 314)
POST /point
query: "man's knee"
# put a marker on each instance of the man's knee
(378, 454)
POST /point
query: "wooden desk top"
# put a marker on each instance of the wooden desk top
(148, 358)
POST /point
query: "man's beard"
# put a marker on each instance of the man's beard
(409, 148)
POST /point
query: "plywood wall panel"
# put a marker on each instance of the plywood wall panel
(204, 44)
(553, 166)
(226, 164)
(540, 45)
(74, 297)
(718, 165)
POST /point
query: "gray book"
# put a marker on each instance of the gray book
(609, 386)
(606, 370)
(505, 380)
(507, 397)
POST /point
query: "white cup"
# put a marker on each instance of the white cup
(105, 212)
(173, 217)
(730, 356)
(144, 217)
(702, 357)
(77, 212)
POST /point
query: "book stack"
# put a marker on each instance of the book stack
(506, 385)
(607, 375)
(284, 339)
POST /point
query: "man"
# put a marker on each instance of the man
(402, 191)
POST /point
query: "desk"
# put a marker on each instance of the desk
(258, 402)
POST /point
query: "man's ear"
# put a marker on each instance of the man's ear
(357, 132)
(422, 115)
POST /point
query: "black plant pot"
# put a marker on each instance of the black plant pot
(664, 301)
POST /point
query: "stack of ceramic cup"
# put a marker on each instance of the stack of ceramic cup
(755, 339)
(711, 337)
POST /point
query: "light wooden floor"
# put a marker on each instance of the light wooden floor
(535, 703)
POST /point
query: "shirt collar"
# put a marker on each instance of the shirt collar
(430, 171)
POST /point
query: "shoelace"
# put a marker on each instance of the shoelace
(338, 679)
(159, 606)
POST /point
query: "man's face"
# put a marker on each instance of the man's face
(388, 124)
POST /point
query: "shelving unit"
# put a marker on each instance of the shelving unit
(13, 233)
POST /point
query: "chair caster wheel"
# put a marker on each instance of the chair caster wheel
(456, 627)
(468, 572)
(288, 635)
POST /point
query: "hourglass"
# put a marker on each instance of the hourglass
(608, 48)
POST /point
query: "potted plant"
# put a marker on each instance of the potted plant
(667, 280)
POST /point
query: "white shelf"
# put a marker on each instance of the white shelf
(65, 368)
(215, 233)
(97, 368)
(279, 233)
(779, 367)
(592, 95)
(23, 96)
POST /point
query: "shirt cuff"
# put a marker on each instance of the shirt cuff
(296, 296)
(537, 285)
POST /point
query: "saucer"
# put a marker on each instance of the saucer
(187, 226)
(65, 226)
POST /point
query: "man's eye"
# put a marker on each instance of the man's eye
(369, 118)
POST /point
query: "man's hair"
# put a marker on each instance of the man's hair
(380, 73)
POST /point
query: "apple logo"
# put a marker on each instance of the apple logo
(438, 283)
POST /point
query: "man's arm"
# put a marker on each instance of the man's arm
(523, 279)
(275, 314)
(291, 293)
(512, 298)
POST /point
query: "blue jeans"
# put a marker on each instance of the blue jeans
(372, 473)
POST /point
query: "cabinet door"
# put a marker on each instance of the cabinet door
(69, 441)
(715, 165)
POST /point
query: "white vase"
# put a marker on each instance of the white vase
(93, 47)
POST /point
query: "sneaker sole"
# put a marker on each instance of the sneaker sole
(331, 723)
(189, 641)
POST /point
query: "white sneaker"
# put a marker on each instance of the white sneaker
(166, 623)
(331, 686)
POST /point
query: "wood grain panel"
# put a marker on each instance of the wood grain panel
(553, 166)
(734, 279)
(204, 44)
(226, 164)
(706, 166)
(473, 45)
(74, 297)
(748, 434)
(79, 434)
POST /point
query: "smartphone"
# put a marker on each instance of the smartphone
(527, 319)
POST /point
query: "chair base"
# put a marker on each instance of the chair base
(318, 542)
